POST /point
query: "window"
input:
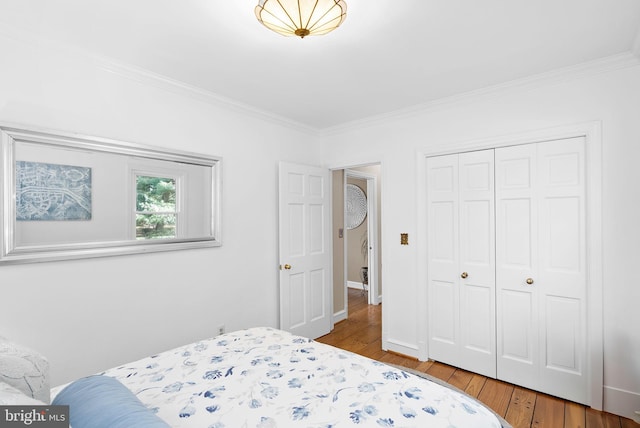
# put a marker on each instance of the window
(156, 208)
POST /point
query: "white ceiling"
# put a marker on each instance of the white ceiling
(388, 54)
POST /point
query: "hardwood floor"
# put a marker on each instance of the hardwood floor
(361, 333)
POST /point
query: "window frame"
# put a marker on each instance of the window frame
(180, 226)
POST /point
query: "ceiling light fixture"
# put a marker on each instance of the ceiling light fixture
(301, 17)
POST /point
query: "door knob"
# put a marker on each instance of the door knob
(529, 281)
(287, 266)
(464, 275)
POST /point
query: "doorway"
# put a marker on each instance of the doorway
(357, 261)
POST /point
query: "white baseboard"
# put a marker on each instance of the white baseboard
(358, 286)
(354, 284)
(339, 316)
(400, 347)
(621, 402)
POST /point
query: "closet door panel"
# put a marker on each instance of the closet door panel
(516, 318)
(562, 270)
(516, 261)
(540, 268)
(563, 326)
(516, 237)
(517, 357)
(442, 316)
(462, 240)
(563, 229)
(443, 250)
(477, 261)
(444, 246)
(478, 333)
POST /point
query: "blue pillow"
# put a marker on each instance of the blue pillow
(104, 402)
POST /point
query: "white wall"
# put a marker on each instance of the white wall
(89, 315)
(612, 97)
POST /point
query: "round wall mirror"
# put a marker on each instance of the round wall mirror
(355, 207)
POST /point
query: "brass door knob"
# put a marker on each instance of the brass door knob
(464, 275)
(287, 266)
(529, 281)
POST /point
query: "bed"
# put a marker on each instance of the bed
(266, 378)
(258, 377)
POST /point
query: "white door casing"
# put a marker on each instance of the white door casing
(305, 250)
(461, 265)
(373, 295)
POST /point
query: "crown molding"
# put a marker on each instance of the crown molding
(160, 81)
(586, 69)
(147, 77)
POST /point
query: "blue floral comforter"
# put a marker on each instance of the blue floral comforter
(267, 378)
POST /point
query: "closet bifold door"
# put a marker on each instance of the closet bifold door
(541, 267)
(461, 260)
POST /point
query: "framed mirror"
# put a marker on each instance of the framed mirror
(66, 196)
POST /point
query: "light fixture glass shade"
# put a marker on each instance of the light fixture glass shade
(301, 17)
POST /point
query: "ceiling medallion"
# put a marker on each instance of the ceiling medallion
(301, 18)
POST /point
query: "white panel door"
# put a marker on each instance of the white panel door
(516, 260)
(461, 265)
(443, 259)
(541, 267)
(477, 262)
(562, 269)
(305, 250)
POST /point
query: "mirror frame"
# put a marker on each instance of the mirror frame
(10, 253)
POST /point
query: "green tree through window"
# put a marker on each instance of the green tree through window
(156, 213)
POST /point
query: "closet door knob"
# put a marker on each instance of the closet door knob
(464, 275)
(529, 281)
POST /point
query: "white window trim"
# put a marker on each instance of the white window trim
(181, 225)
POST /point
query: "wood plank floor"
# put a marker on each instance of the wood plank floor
(361, 333)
